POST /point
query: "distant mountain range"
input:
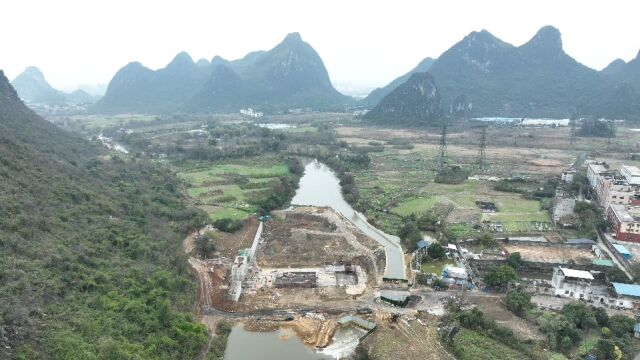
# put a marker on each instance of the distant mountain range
(32, 86)
(290, 75)
(484, 76)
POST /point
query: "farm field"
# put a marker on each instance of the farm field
(470, 345)
(400, 183)
(98, 122)
(226, 190)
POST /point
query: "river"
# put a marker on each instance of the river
(319, 186)
(275, 345)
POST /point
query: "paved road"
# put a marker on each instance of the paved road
(613, 258)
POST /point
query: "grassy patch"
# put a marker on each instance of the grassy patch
(517, 205)
(302, 129)
(229, 213)
(211, 188)
(415, 206)
(471, 345)
(461, 231)
(436, 267)
(541, 216)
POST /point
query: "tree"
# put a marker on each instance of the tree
(635, 272)
(581, 315)
(518, 301)
(621, 325)
(473, 319)
(410, 235)
(514, 260)
(500, 276)
(556, 328)
(486, 240)
(204, 246)
(602, 318)
(436, 251)
(616, 275)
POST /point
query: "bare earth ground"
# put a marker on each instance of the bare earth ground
(550, 254)
(494, 308)
(406, 339)
(309, 237)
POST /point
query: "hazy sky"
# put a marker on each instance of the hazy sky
(363, 43)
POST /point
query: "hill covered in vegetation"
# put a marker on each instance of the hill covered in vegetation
(90, 259)
(536, 79)
(291, 75)
(416, 102)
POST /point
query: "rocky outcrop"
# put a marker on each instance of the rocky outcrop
(417, 101)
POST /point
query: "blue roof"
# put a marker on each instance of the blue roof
(627, 289)
(621, 249)
(422, 244)
(636, 328)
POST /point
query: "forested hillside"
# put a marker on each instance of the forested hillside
(90, 260)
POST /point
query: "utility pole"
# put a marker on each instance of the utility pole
(612, 133)
(572, 134)
(442, 148)
(482, 159)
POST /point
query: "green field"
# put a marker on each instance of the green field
(301, 129)
(471, 345)
(436, 267)
(220, 187)
(213, 174)
(416, 206)
(96, 122)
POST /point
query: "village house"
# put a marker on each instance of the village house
(625, 221)
(627, 296)
(571, 283)
(568, 175)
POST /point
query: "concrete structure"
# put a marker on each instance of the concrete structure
(615, 189)
(603, 263)
(563, 206)
(256, 241)
(306, 279)
(625, 221)
(397, 298)
(593, 171)
(454, 272)
(627, 296)
(631, 174)
(636, 331)
(238, 274)
(239, 268)
(568, 175)
(623, 251)
(571, 283)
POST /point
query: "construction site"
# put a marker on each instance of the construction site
(300, 256)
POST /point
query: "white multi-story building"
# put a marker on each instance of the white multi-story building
(593, 171)
(631, 173)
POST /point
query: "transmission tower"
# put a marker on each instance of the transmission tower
(442, 148)
(572, 134)
(482, 158)
(612, 133)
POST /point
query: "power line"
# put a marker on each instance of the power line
(442, 148)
